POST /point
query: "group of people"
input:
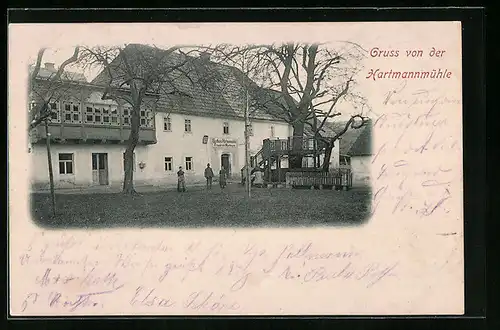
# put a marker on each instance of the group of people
(209, 175)
(256, 178)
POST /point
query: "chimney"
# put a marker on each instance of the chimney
(50, 66)
(205, 56)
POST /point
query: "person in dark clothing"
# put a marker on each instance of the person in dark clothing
(209, 174)
(257, 177)
(181, 183)
(222, 177)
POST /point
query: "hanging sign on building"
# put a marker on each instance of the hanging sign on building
(221, 142)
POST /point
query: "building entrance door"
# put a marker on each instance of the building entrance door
(226, 163)
(100, 168)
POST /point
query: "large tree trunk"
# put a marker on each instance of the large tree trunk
(328, 155)
(128, 181)
(295, 160)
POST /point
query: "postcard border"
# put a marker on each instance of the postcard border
(473, 123)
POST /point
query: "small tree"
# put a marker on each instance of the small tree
(43, 91)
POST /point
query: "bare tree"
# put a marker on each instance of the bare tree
(318, 118)
(311, 81)
(43, 91)
(129, 73)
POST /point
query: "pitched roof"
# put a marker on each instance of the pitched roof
(363, 144)
(328, 129)
(200, 87)
(354, 142)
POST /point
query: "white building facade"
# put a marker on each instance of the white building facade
(181, 140)
(193, 142)
(191, 126)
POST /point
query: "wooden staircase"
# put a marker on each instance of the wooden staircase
(268, 159)
(274, 150)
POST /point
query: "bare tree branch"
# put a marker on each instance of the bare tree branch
(45, 93)
(38, 63)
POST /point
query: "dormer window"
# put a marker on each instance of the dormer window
(250, 129)
(167, 124)
(187, 125)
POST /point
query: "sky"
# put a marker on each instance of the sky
(60, 54)
(61, 38)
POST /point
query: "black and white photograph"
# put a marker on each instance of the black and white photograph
(163, 169)
(145, 135)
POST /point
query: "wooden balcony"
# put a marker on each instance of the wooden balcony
(88, 133)
(291, 145)
(91, 119)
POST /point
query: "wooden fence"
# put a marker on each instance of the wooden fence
(341, 179)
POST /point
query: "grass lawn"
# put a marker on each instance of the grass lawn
(200, 208)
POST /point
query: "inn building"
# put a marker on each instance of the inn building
(197, 121)
(189, 127)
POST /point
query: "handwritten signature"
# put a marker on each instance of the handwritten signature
(56, 299)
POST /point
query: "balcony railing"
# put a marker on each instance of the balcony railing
(82, 121)
(82, 133)
(304, 145)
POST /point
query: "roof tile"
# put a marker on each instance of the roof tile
(204, 88)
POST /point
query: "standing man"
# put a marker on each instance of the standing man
(181, 183)
(209, 174)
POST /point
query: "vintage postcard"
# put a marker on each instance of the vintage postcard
(235, 169)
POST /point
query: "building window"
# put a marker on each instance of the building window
(146, 118)
(187, 125)
(169, 166)
(55, 116)
(272, 130)
(65, 163)
(272, 145)
(99, 114)
(167, 124)
(126, 116)
(105, 116)
(250, 130)
(305, 162)
(189, 163)
(71, 112)
(114, 116)
(89, 116)
(53, 107)
(225, 128)
(284, 145)
(133, 162)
